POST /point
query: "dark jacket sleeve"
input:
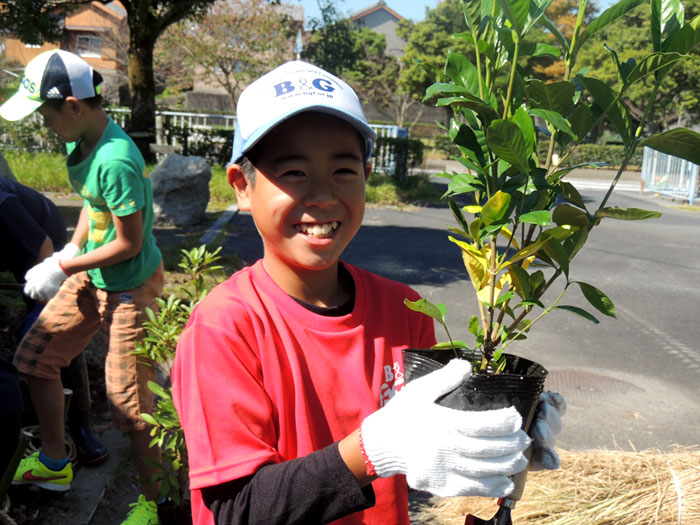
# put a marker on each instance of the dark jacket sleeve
(318, 488)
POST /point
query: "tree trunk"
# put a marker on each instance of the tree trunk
(143, 94)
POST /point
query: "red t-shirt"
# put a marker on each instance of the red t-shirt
(260, 379)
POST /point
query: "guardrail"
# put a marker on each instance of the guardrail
(670, 175)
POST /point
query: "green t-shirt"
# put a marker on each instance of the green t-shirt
(113, 180)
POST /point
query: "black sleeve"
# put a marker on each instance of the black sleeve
(22, 236)
(317, 488)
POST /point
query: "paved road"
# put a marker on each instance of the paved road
(631, 382)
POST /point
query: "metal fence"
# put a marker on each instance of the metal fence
(384, 160)
(670, 175)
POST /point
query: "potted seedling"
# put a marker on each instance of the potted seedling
(523, 222)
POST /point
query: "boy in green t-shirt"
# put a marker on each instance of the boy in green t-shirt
(106, 277)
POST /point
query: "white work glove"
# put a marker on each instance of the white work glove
(44, 279)
(547, 424)
(441, 450)
(69, 251)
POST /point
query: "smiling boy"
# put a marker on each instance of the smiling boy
(288, 378)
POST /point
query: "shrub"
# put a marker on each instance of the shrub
(402, 153)
(213, 144)
(162, 332)
(610, 153)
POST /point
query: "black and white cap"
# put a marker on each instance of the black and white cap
(54, 74)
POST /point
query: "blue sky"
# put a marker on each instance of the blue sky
(412, 9)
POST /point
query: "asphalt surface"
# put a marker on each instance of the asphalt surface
(631, 382)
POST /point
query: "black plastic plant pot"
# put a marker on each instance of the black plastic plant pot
(518, 385)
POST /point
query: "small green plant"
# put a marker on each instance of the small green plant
(521, 208)
(162, 332)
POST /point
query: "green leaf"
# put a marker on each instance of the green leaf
(598, 299)
(539, 50)
(678, 142)
(655, 24)
(535, 13)
(555, 119)
(516, 11)
(552, 27)
(672, 17)
(574, 243)
(463, 136)
(557, 253)
(606, 17)
(507, 142)
(524, 122)
(616, 112)
(556, 96)
(449, 345)
(469, 101)
(629, 214)
(443, 88)
(158, 390)
(521, 280)
(650, 64)
(570, 193)
(581, 120)
(567, 214)
(495, 208)
(684, 40)
(539, 217)
(578, 311)
(148, 418)
(436, 311)
(460, 70)
(459, 216)
(474, 326)
(464, 183)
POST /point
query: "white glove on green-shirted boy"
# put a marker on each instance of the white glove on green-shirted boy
(441, 450)
(44, 279)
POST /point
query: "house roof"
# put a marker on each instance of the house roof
(381, 5)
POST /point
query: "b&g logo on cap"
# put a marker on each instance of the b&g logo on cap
(286, 87)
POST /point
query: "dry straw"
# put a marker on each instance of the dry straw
(597, 488)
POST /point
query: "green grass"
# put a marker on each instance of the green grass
(47, 172)
(41, 171)
(415, 189)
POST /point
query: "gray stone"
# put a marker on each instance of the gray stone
(181, 190)
(5, 170)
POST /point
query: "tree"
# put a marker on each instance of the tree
(677, 100)
(375, 77)
(234, 43)
(34, 21)
(563, 14)
(427, 43)
(332, 44)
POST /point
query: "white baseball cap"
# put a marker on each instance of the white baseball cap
(53, 74)
(290, 89)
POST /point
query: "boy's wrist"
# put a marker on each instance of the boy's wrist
(350, 449)
(60, 265)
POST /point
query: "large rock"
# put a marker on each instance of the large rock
(181, 190)
(5, 170)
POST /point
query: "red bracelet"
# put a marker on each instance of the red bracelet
(368, 463)
(62, 268)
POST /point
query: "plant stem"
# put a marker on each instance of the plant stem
(544, 312)
(511, 80)
(633, 145)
